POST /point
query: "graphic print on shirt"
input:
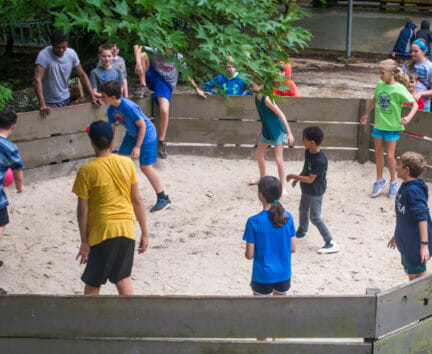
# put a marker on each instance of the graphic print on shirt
(119, 117)
(309, 167)
(399, 206)
(384, 100)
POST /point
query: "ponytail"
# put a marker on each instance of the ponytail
(401, 77)
(391, 66)
(271, 189)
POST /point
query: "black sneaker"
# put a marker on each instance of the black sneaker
(330, 247)
(300, 234)
(162, 152)
(162, 203)
(3, 291)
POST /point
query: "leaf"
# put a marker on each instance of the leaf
(121, 8)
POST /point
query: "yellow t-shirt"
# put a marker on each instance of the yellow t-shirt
(106, 183)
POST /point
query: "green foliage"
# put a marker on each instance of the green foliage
(5, 94)
(254, 32)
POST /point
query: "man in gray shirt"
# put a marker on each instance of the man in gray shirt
(54, 65)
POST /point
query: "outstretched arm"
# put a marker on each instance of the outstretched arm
(85, 80)
(197, 89)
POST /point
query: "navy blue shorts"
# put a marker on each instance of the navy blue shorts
(148, 152)
(157, 84)
(4, 217)
(267, 289)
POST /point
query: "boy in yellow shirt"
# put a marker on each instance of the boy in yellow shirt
(108, 202)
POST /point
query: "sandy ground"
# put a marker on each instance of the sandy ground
(196, 247)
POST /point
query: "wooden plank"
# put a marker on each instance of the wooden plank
(232, 152)
(191, 317)
(403, 305)
(363, 136)
(58, 148)
(245, 132)
(243, 107)
(420, 124)
(71, 119)
(115, 346)
(414, 339)
(417, 144)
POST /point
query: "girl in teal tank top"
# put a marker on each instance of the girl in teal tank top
(275, 131)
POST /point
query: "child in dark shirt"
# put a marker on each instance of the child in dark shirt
(313, 184)
(413, 222)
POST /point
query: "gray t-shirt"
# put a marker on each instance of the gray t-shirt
(120, 63)
(424, 71)
(57, 73)
(166, 69)
(99, 76)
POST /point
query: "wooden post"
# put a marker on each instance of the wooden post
(363, 136)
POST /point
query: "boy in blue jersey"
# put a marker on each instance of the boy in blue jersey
(228, 85)
(9, 158)
(413, 233)
(140, 140)
(313, 185)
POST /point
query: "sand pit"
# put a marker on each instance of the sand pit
(196, 247)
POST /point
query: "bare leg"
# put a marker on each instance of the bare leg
(2, 230)
(91, 290)
(124, 287)
(259, 155)
(164, 116)
(391, 160)
(415, 276)
(379, 157)
(152, 177)
(278, 150)
(142, 64)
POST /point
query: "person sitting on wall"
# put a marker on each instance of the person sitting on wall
(425, 33)
(53, 67)
(404, 41)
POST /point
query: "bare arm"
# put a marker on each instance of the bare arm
(125, 88)
(299, 178)
(141, 134)
(140, 215)
(293, 244)
(414, 108)
(82, 216)
(200, 92)
(18, 177)
(85, 80)
(424, 248)
(368, 110)
(250, 249)
(274, 107)
(37, 84)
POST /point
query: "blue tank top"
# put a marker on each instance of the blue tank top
(272, 125)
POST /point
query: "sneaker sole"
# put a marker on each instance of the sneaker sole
(327, 252)
(164, 208)
(302, 236)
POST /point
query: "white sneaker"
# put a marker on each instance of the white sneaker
(330, 247)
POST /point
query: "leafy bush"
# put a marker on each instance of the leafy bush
(5, 94)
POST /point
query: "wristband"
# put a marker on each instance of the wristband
(424, 242)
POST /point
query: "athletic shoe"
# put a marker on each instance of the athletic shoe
(3, 291)
(378, 187)
(393, 189)
(301, 234)
(162, 151)
(162, 203)
(142, 92)
(330, 247)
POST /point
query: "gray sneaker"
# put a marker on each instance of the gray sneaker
(330, 247)
(142, 92)
(162, 149)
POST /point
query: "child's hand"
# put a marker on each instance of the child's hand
(405, 121)
(143, 245)
(290, 139)
(363, 119)
(135, 152)
(416, 95)
(83, 252)
(424, 253)
(201, 93)
(45, 110)
(392, 243)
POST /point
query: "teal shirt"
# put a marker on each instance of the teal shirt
(388, 106)
(272, 125)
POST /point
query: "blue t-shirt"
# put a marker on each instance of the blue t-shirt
(9, 158)
(233, 86)
(57, 73)
(127, 113)
(272, 252)
(100, 75)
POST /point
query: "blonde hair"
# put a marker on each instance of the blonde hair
(391, 66)
(415, 162)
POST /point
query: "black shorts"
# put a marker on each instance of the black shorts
(111, 259)
(4, 217)
(267, 289)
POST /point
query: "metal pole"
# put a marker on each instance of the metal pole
(349, 28)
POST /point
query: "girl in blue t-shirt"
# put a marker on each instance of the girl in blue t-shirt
(275, 131)
(270, 240)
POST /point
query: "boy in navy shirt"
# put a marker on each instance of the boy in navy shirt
(313, 184)
(140, 140)
(413, 222)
